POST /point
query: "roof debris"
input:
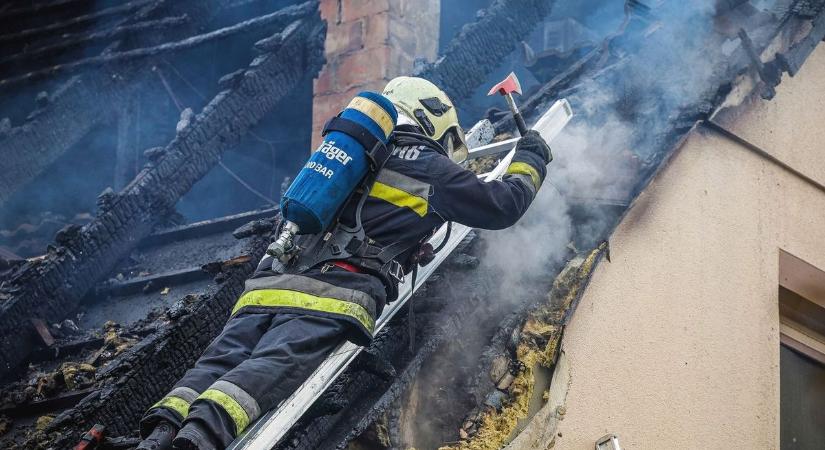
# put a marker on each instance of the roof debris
(538, 339)
(173, 288)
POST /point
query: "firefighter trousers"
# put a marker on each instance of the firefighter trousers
(257, 361)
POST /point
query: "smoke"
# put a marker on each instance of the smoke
(660, 67)
(521, 252)
(653, 75)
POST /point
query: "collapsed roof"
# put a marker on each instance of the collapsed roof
(629, 122)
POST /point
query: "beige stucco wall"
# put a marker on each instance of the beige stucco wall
(675, 344)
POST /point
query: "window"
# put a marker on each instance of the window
(802, 354)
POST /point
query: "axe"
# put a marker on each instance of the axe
(506, 88)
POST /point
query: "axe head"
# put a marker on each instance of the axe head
(507, 86)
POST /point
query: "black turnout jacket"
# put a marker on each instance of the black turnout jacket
(417, 191)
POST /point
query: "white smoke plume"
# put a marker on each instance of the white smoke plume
(621, 115)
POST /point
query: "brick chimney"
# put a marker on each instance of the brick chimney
(368, 43)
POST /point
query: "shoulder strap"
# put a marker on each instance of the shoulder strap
(352, 243)
(376, 151)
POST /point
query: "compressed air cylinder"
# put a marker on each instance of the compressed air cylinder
(339, 165)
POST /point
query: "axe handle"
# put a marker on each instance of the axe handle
(522, 127)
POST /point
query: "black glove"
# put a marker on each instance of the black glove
(533, 142)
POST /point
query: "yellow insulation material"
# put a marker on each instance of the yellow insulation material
(542, 325)
(495, 427)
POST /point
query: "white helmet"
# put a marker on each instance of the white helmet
(430, 109)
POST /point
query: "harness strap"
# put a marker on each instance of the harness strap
(351, 244)
(351, 128)
(376, 151)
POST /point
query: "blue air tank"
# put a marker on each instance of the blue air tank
(339, 165)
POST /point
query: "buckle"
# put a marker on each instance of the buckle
(356, 247)
(395, 270)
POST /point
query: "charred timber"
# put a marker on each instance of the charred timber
(276, 19)
(41, 8)
(792, 60)
(81, 104)
(481, 46)
(56, 28)
(31, 56)
(144, 373)
(90, 99)
(54, 287)
(23, 17)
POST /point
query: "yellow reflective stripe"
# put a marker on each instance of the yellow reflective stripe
(374, 112)
(233, 408)
(176, 404)
(399, 198)
(525, 169)
(407, 184)
(294, 299)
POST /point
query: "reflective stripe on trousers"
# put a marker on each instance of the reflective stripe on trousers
(274, 298)
(236, 402)
(256, 362)
(302, 292)
(178, 401)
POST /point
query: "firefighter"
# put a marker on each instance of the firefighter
(284, 325)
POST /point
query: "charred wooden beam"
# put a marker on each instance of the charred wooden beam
(49, 405)
(40, 8)
(206, 227)
(152, 282)
(28, 15)
(88, 100)
(82, 103)
(269, 20)
(481, 46)
(147, 371)
(792, 60)
(42, 331)
(56, 28)
(72, 42)
(53, 288)
(71, 348)
(75, 347)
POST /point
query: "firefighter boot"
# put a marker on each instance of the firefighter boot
(193, 436)
(160, 438)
